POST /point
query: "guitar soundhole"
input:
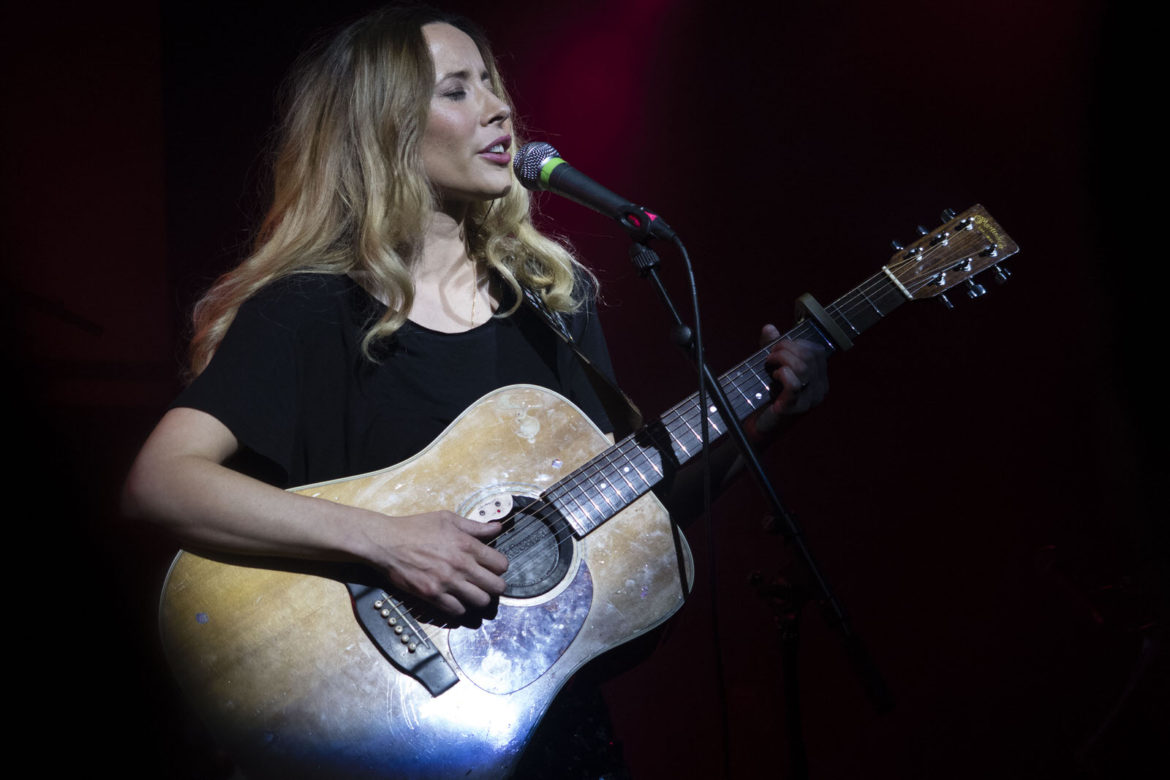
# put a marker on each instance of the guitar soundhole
(539, 549)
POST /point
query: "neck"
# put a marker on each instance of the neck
(444, 249)
(450, 294)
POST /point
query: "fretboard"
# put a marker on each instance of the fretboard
(611, 481)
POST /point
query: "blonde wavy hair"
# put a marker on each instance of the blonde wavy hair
(350, 192)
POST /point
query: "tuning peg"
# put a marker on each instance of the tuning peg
(923, 231)
(1002, 274)
(949, 214)
(975, 290)
(897, 246)
(945, 301)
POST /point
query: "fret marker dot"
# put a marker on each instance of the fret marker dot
(759, 396)
(711, 410)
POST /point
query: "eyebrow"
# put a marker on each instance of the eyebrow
(464, 74)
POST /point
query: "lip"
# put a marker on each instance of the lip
(500, 158)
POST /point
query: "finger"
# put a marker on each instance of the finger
(487, 583)
(790, 390)
(477, 529)
(486, 556)
(477, 585)
(768, 334)
(458, 592)
(433, 591)
(786, 357)
(491, 559)
(449, 604)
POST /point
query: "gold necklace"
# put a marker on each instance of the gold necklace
(474, 289)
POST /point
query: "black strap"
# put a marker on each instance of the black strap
(617, 404)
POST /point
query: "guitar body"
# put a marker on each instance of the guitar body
(292, 685)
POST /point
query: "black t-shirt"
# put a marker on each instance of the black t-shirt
(291, 383)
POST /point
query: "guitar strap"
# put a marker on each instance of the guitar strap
(617, 404)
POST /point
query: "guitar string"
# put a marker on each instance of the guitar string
(542, 514)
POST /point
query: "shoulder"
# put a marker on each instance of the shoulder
(303, 292)
(584, 316)
(304, 301)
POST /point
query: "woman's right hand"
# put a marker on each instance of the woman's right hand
(440, 557)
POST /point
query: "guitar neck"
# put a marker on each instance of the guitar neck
(748, 385)
(611, 481)
(963, 246)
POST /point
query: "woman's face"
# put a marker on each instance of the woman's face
(467, 142)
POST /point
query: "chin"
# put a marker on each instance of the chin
(484, 194)
(491, 193)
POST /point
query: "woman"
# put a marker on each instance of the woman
(382, 297)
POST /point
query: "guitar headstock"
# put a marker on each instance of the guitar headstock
(951, 254)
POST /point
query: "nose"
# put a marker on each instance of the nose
(496, 111)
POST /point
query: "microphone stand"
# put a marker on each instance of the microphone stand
(647, 262)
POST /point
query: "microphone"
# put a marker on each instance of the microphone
(539, 166)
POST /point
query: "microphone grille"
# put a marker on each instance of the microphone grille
(530, 158)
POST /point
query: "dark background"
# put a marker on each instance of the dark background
(979, 486)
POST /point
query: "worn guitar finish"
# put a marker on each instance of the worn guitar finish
(293, 685)
(299, 677)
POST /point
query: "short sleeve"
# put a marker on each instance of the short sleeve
(255, 382)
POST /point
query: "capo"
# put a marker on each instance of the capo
(807, 306)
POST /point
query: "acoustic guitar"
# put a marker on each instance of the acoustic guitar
(303, 670)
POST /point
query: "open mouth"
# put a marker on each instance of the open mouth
(498, 146)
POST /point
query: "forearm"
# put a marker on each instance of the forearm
(178, 482)
(207, 505)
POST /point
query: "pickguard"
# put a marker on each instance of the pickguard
(522, 642)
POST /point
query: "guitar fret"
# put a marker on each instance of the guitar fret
(682, 452)
(602, 488)
(614, 478)
(655, 467)
(872, 304)
(603, 476)
(580, 520)
(623, 472)
(841, 317)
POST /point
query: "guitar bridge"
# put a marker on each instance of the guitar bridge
(400, 638)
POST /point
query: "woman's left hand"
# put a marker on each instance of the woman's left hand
(799, 379)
